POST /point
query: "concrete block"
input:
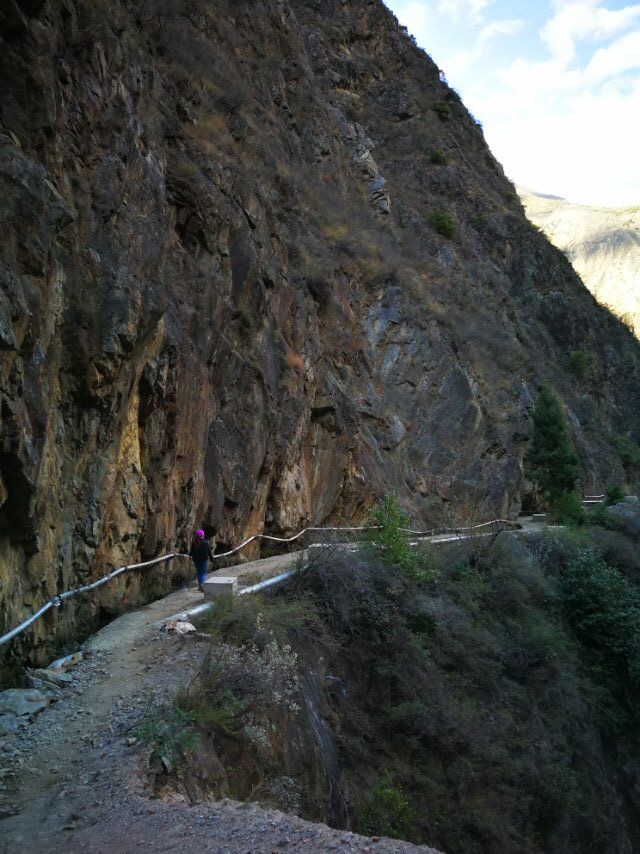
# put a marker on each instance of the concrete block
(219, 585)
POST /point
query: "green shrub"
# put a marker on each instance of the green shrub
(438, 156)
(578, 364)
(544, 636)
(253, 620)
(169, 732)
(629, 452)
(442, 110)
(479, 221)
(567, 509)
(443, 223)
(600, 517)
(215, 708)
(390, 543)
(473, 587)
(613, 494)
(557, 795)
(387, 811)
(603, 609)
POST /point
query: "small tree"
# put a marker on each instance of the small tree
(613, 494)
(443, 223)
(389, 541)
(578, 364)
(550, 463)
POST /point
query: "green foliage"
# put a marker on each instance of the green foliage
(550, 463)
(390, 543)
(567, 509)
(505, 673)
(438, 157)
(479, 221)
(254, 620)
(442, 110)
(557, 795)
(603, 609)
(170, 734)
(601, 517)
(629, 452)
(578, 364)
(443, 223)
(473, 586)
(613, 494)
(215, 708)
(387, 811)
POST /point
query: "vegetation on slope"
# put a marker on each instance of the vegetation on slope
(493, 708)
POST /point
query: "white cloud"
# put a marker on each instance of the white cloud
(462, 59)
(582, 20)
(618, 58)
(472, 10)
(507, 27)
(564, 117)
(584, 148)
(567, 126)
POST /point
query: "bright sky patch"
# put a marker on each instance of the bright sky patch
(556, 85)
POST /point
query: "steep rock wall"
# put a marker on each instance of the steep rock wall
(223, 303)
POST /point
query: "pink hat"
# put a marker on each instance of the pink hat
(200, 533)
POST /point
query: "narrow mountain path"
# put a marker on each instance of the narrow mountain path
(72, 781)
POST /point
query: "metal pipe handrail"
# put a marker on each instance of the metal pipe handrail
(59, 598)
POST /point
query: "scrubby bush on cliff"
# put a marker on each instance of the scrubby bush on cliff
(442, 110)
(578, 364)
(438, 157)
(442, 223)
(550, 463)
(387, 811)
(389, 541)
(629, 452)
(613, 494)
(502, 683)
(599, 515)
(169, 732)
(603, 609)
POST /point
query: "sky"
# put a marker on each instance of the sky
(555, 84)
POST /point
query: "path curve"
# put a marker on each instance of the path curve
(70, 782)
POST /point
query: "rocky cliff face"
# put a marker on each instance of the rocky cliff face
(225, 300)
(603, 244)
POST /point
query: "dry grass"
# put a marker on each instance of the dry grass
(294, 361)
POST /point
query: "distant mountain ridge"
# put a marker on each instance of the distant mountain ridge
(603, 244)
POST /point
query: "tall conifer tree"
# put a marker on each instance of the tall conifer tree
(550, 463)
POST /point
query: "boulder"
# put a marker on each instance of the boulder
(22, 701)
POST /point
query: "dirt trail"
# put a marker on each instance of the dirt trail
(71, 782)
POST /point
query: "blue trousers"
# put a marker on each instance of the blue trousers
(201, 570)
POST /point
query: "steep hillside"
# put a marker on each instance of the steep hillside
(603, 244)
(258, 265)
(488, 701)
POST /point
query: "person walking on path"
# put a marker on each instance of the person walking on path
(200, 552)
